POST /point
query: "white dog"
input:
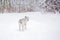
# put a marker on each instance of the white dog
(23, 23)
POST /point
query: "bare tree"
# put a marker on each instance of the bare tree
(53, 4)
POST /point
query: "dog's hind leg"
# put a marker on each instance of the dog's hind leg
(19, 28)
(22, 27)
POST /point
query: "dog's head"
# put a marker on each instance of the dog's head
(26, 17)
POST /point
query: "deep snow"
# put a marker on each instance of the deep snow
(39, 27)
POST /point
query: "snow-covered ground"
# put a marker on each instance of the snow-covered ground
(39, 27)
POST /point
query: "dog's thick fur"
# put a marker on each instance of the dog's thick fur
(23, 23)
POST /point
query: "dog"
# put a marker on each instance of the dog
(23, 23)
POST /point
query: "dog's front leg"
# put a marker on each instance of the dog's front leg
(25, 26)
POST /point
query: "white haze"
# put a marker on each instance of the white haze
(40, 26)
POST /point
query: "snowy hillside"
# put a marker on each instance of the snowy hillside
(39, 27)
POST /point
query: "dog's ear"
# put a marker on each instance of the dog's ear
(25, 16)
